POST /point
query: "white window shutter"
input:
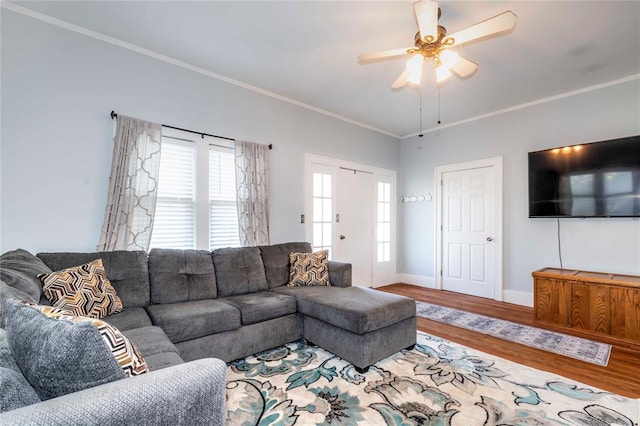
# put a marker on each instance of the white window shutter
(223, 211)
(174, 219)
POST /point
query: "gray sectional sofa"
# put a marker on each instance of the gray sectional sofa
(201, 307)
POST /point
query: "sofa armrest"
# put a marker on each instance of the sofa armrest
(339, 273)
(185, 394)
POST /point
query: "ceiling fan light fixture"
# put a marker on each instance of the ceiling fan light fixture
(414, 69)
(448, 58)
(415, 78)
(442, 74)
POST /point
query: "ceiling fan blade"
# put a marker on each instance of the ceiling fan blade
(402, 80)
(385, 54)
(491, 27)
(464, 67)
(426, 12)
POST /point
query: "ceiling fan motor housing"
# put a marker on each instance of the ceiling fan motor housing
(431, 49)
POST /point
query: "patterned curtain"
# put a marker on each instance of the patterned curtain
(252, 187)
(133, 186)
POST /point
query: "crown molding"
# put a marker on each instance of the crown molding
(164, 58)
(528, 104)
(176, 62)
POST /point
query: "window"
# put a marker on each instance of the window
(322, 212)
(383, 233)
(174, 225)
(223, 212)
(196, 205)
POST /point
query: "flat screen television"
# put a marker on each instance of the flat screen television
(598, 179)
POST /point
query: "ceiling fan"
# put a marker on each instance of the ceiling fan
(432, 42)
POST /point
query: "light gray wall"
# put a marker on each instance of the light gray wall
(611, 245)
(58, 88)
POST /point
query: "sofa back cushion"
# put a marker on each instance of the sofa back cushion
(20, 269)
(239, 271)
(127, 271)
(181, 275)
(276, 261)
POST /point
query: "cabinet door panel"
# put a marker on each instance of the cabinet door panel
(552, 300)
(625, 313)
(589, 307)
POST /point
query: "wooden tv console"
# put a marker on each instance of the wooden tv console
(593, 302)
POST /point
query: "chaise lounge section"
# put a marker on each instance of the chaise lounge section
(358, 324)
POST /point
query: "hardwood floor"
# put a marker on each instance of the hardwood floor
(620, 376)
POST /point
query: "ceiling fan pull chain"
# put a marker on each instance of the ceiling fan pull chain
(420, 91)
(439, 105)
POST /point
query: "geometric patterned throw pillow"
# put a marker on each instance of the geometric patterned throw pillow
(82, 290)
(126, 354)
(309, 269)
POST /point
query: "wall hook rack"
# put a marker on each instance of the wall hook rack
(414, 198)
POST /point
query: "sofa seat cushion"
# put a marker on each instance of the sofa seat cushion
(356, 309)
(150, 340)
(261, 306)
(129, 319)
(163, 360)
(196, 318)
(155, 346)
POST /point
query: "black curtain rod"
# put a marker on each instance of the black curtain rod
(202, 134)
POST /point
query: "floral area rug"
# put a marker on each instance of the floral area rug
(562, 344)
(437, 383)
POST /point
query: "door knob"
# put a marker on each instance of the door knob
(489, 239)
(342, 237)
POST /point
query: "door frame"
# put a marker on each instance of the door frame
(380, 275)
(497, 164)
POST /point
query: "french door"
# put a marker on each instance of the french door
(350, 211)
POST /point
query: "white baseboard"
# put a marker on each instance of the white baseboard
(419, 280)
(523, 298)
(516, 297)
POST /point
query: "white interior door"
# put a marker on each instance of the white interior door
(469, 224)
(354, 223)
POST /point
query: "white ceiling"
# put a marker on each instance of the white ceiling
(307, 50)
